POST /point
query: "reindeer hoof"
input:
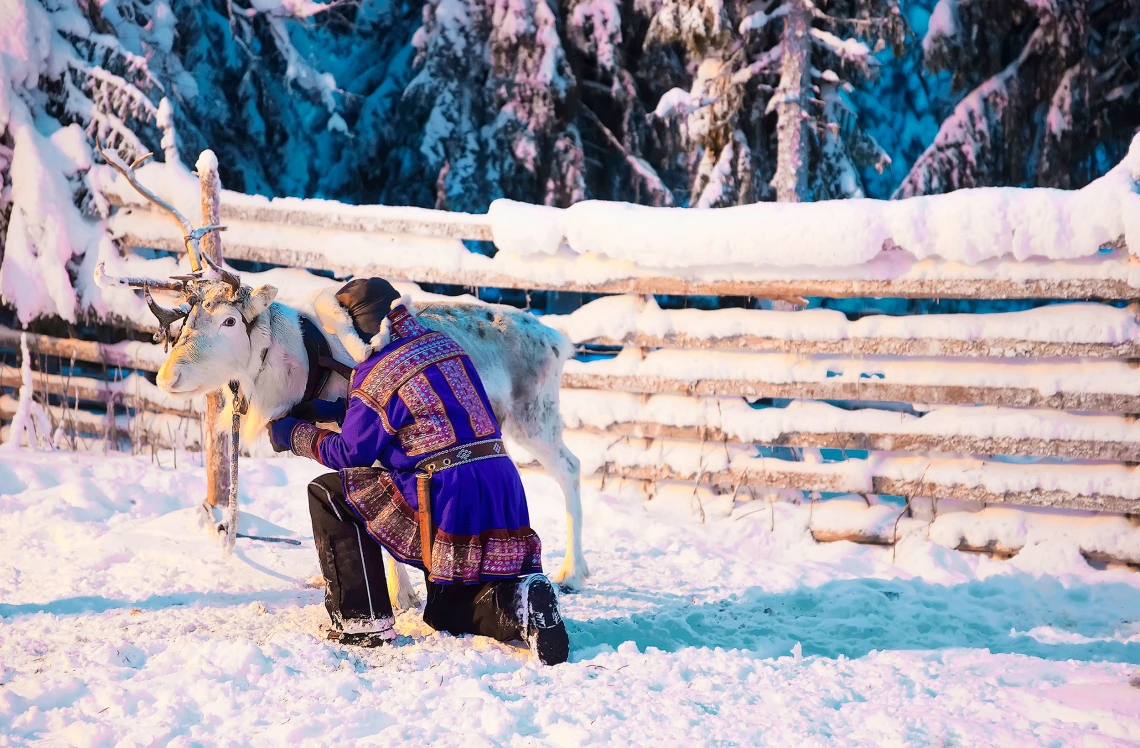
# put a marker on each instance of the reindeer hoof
(408, 601)
(572, 576)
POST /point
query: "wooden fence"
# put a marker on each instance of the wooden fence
(921, 412)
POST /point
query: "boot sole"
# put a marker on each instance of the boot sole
(550, 642)
(369, 641)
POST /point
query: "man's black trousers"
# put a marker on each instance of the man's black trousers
(356, 589)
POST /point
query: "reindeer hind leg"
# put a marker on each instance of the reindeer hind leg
(567, 471)
(539, 430)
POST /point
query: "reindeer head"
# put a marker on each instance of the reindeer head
(219, 335)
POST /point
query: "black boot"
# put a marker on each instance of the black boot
(514, 609)
(356, 591)
(540, 620)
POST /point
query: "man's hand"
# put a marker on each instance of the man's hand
(280, 432)
(320, 411)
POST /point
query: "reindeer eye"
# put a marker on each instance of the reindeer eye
(229, 322)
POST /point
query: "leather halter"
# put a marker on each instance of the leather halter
(321, 362)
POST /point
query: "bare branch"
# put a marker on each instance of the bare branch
(639, 165)
(190, 235)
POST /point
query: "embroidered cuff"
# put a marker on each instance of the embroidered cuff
(305, 439)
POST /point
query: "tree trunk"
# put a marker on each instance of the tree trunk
(216, 446)
(790, 180)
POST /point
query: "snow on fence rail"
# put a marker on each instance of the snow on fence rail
(1108, 275)
(1105, 488)
(917, 399)
(982, 243)
(946, 430)
(1060, 331)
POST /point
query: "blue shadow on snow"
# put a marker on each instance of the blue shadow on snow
(70, 606)
(855, 616)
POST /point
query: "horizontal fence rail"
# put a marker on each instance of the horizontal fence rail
(926, 348)
(860, 390)
(863, 441)
(942, 406)
(436, 258)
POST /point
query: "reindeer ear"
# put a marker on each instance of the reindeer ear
(259, 301)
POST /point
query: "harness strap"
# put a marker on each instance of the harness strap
(319, 355)
(328, 362)
(450, 458)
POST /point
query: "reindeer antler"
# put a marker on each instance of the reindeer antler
(190, 235)
(187, 285)
(178, 283)
(166, 317)
(232, 279)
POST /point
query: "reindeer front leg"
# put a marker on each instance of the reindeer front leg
(400, 589)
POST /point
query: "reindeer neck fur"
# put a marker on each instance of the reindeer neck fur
(275, 377)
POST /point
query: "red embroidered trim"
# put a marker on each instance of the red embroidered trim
(305, 440)
(383, 419)
(432, 429)
(455, 558)
(482, 422)
(404, 324)
(386, 514)
(497, 553)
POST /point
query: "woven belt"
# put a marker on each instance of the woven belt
(462, 455)
(425, 468)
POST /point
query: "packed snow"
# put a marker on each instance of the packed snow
(122, 622)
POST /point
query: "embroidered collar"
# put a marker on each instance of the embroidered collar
(404, 324)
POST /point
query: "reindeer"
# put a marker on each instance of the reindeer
(235, 335)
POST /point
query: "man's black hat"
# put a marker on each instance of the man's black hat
(368, 301)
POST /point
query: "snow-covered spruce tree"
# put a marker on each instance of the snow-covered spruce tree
(793, 59)
(486, 110)
(623, 145)
(66, 80)
(295, 97)
(1052, 92)
(903, 106)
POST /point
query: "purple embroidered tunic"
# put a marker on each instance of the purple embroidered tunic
(418, 396)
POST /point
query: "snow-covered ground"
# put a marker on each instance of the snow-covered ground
(121, 623)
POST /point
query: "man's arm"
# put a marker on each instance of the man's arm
(364, 435)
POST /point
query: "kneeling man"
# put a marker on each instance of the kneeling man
(445, 496)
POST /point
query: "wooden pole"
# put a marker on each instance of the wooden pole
(217, 443)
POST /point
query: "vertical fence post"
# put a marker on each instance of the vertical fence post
(216, 444)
